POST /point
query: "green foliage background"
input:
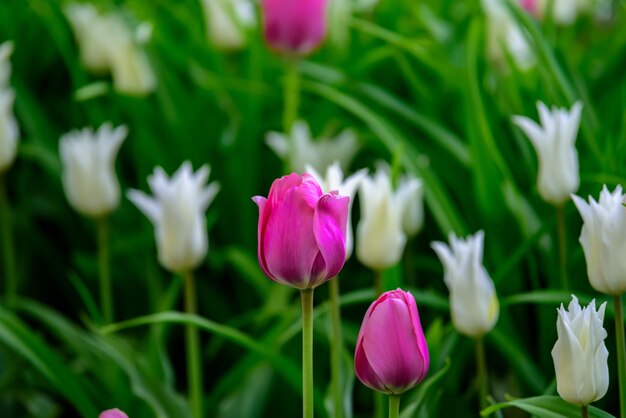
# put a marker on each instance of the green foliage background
(416, 85)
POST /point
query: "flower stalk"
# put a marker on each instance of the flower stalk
(481, 372)
(621, 353)
(394, 406)
(584, 411)
(307, 352)
(292, 94)
(106, 300)
(8, 249)
(336, 347)
(562, 236)
(192, 342)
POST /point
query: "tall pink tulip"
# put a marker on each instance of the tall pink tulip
(302, 232)
(391, 352)
(113, 413)
(294, 27)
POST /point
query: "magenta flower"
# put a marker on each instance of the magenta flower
(391, 352)
(302, 232)
(113, 413)
(294, 27)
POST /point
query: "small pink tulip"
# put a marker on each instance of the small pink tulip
(530, 6)
(391, 352)
(294, 27)
(302, 232)
(113, 413)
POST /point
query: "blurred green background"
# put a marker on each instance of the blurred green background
(414, 80)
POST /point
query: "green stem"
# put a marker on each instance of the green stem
(194, 364)
(394, 406)
(307, 352)
(8, 249)
(481, 372)
(562, 246)
(292, 95)
(336, 347)
(379, 405)
(378, 282)
(106, 300)
(621, 353)
(584, 410)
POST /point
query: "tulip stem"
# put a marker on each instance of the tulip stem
(621, 353)
(106, 301)
(378, 282)
(336, 347)
(394, 406)
(481, 372)
(560, 216)
(584, 411)
(307, 352)
(8, 249)
(194, 364)
(292, 95)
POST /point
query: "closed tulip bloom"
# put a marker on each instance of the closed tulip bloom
(227, 20)
(411, 197)
(554, 141)
(473, 301)
(177, 210)
(88, 160)
(298, 149)
(113, 413)
(380, 236)
(302, 232)
(346, 187)
(603, 238)
(391, 353)
(107, 44)
(9, 132)
(580, 355)
(294, 27)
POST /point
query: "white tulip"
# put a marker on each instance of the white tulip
(9, 132)
(88, 160)
(603, 238)
(410, 194)
(505, 37)
(226, 21)
(473, 301)
(298, 149)
(334, 180)
(380, 237)
(554, 141)
(107, 44)
(177, 210)
(580, 355)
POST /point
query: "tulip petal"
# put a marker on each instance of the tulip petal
(289, 247)
(281, 185)
(329, 226)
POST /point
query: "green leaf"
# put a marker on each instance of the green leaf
(546, 407)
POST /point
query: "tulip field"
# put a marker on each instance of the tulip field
(312, 208)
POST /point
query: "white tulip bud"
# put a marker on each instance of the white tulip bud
(298, 149)
(346, 187)
(88, 160)
(473, 301)
(9, 132)
(603, 238)
(226, 21)
(580, 355)
(554, 141)
(177, 210)
(380, 237)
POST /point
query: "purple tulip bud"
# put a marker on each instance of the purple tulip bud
(302, 232)
(294, 27)
(391, 352)
(113, 413)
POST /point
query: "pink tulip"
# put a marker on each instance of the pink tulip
(391, 352)
(294, 27)
(529, 5)
(302, 232)
(113, 413)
